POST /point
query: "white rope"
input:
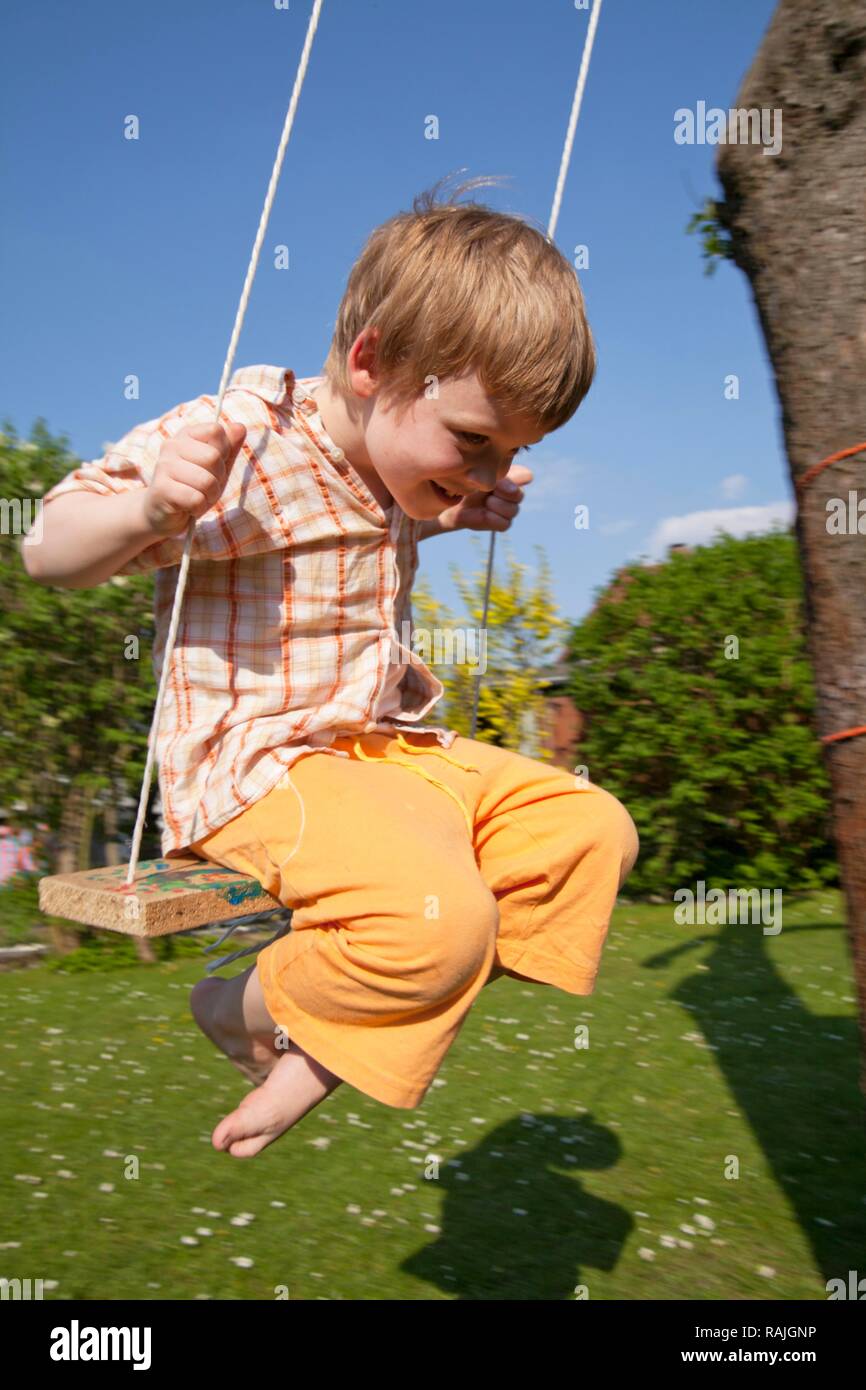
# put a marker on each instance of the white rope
(554, 218)
(227, 368)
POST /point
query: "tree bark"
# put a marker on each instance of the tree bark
(796, 222)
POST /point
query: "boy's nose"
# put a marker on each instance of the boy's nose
(485, 480)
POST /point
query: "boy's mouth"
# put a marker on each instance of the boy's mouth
(449, 497)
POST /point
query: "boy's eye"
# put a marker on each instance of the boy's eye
(476, 439)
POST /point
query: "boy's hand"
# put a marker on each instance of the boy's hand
(190, 475)
(489, 511)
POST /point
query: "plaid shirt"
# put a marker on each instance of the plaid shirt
(298, 589)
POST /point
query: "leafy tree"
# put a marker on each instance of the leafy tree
(76, 697)
(698, 695)
(522, 637)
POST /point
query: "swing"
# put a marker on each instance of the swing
(161, 896)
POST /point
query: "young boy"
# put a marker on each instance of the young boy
(283, 750)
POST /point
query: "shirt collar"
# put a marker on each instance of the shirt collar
(281, 387)
(274, 384)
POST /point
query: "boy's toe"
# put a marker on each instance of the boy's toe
(229, 1131)
(248, 1148)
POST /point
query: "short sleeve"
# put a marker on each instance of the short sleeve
(250, 515)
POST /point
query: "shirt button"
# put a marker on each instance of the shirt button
(299, 395)
(337, 455)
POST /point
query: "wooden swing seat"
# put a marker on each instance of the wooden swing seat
(166, 895)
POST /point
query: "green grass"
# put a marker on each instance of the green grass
(20, 918)
(708, 1047)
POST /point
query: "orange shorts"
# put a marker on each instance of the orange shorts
(407, 890)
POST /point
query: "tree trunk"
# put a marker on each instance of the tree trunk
(65, 937)
(85, 831)
(797, 228)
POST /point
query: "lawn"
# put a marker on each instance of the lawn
(707, 1144)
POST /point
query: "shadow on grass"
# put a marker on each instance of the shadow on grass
(792, 1074)
(490, 1248)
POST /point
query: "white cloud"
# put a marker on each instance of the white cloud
(700, 528)
(734, 485)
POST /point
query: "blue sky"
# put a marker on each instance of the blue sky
(126, 256)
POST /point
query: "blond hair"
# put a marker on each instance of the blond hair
(458, 287)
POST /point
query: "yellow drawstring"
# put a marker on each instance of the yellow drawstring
(438, 752)
(422, 772)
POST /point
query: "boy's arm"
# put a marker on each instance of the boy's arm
(246, 502)
(77, 544)
(430, 528)
(86, 538)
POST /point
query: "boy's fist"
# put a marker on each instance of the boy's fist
(190, 475)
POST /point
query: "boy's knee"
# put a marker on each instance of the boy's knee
(459, 940)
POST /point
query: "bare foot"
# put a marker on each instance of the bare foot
(295, 1085)
(218, 1009)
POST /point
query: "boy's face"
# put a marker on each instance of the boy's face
(458, 442)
